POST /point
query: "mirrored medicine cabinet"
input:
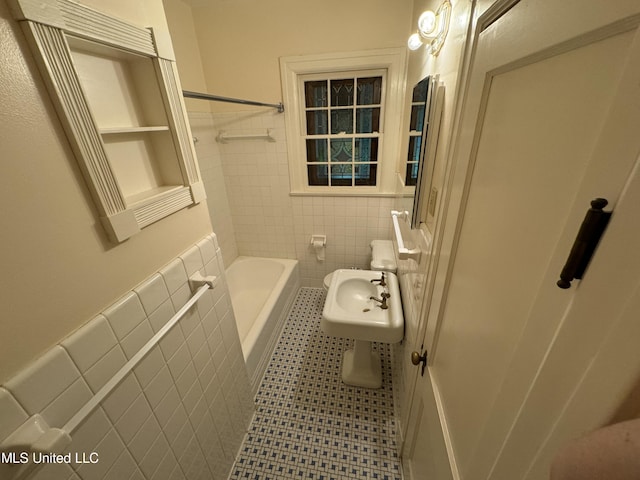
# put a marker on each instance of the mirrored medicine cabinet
(117, 93)
(427, 102)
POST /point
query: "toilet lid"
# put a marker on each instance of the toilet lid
(327, 280)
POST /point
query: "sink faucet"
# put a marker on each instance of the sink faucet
(381, 280)
(383, 303)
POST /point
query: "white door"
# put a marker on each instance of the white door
(549, 123)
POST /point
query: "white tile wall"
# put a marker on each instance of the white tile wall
(350, 223)
(257, 179)
(253, 214)
(182, 412)
(13, 415)
(210, 162)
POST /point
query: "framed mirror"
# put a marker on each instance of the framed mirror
(424, 126)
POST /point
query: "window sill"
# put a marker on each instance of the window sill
(346, 194)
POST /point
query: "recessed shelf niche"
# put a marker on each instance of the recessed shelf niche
(116, 89)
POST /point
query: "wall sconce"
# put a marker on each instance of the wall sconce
(432, 29)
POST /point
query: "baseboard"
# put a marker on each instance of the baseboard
(455, 473)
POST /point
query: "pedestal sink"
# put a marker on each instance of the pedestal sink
(354, 309)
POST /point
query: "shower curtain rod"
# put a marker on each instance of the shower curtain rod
(217, 98)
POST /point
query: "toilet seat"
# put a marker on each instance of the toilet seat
(327, 280)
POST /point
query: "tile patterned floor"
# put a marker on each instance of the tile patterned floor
(310, 425)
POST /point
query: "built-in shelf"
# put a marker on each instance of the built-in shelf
(117, 92)
(151, 195)
(119, 130)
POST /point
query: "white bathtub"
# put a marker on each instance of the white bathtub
(261, 291)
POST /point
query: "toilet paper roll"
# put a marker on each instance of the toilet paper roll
(318, 246)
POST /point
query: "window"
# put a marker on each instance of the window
(341, 123)
(342, 117)
(416, 127)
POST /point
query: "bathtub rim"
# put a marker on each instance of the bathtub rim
(266, 329)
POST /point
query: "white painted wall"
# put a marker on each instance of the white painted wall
(241, 42)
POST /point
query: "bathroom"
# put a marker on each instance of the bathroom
(482, 386)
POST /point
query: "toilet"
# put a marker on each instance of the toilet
(382, 257)
(382, 260)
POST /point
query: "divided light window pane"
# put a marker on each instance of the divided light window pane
(416, 125)
(315, 94)
(369, 90)
(317, 122)
(366, 150)
(343, 119)
(342, 92)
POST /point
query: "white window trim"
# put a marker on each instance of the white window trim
(291, 68)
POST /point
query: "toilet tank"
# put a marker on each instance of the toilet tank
(382, 256)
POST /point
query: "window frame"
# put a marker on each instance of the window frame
(294, 70)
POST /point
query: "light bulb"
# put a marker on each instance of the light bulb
(414, 42)
(427, 24)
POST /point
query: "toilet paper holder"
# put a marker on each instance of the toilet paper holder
(318, 240)
(318, 243)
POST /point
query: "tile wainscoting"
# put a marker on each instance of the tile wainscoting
(183, 411)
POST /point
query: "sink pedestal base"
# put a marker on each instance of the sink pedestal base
(361, 366)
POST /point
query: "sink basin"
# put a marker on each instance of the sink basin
(350, 312)
(354, 294)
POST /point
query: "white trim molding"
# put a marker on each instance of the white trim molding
(49, 26)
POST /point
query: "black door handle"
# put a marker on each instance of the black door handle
(593, 226)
